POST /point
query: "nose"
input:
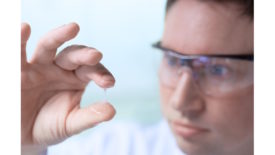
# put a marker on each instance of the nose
(186, 98)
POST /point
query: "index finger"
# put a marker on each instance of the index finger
(46, 49)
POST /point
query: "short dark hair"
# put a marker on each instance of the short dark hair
(248, 5)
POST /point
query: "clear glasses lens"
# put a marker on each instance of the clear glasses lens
(212, 75)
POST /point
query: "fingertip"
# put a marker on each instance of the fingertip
(94, 57)
(69, 30)
(107, 81)
(25, 31)
(99, 55)
(74, 26)
(105, 110)
(110, 111)
(24, 24)
(107, 84)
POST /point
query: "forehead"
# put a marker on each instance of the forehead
(196, 27)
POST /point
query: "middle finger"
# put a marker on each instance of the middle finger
(74, 56)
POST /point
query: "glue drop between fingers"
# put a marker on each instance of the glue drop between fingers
(105, 94)
(105, 99)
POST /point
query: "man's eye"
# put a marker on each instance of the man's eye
(184, 62)
(218, 70)
(172, 61)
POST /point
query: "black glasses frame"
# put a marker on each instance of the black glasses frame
(248, 57)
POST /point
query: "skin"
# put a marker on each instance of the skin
(52, 86)
(196, 27)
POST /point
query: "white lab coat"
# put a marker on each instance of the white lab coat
(120, 139)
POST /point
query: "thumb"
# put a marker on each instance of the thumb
(84, 118)
(25, 34)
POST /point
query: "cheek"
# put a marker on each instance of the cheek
(165, 95)
(232, 118)
(164, 92)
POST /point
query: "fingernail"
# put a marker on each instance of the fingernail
(94, 110)
(108, 78)
(107, 81)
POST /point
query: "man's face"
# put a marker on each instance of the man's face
(208, 124)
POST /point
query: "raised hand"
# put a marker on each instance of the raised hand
(52, 86)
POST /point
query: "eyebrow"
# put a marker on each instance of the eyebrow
(249, 57)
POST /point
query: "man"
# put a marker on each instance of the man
(206, 85)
